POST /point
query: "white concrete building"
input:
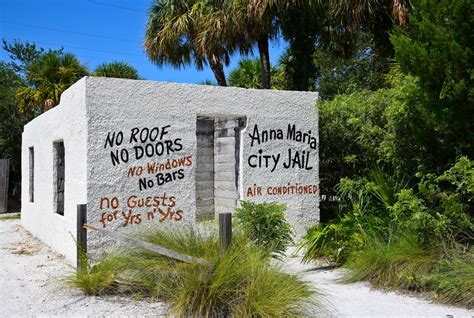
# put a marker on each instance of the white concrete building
(146, 154)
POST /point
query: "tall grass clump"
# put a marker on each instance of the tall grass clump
(93, 280)
(453, 282)
(399, 264)
(405, 264)
(240, 282)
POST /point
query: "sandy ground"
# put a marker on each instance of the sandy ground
(360, 300)
(30, 285)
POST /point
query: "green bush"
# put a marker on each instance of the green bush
(240, 282)
(453, 281)
(333, 241)
(365, 130)
(265, 225)
(440, 212)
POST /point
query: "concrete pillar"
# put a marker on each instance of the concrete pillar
(225, 165)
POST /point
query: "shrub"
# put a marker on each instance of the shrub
(364, 130)
(440, 212)
(437, 48)
(265, 225)
(333, 241)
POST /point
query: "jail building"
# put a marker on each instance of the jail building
(143, 154)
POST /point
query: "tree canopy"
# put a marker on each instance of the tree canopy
(116, 69)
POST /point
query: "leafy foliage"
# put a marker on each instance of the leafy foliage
(437, 48)
(440, 212)
(392, 265)
(335, 75)
(364, 130)
(117, 70)
(23, 54)
(405, 264)
(265, 224)
(403, 157)
(32, 79)
(183, 32)
(334, 240)
(49, 76)
(453, 280)
(11, 123)
(44, 74)
(247, 74)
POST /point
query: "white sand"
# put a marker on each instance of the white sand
(30, 285)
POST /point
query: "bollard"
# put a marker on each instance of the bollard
(225, 230)
(81, 243)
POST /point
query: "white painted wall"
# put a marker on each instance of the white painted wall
(67, 122)
(95, 107)
(120, 105)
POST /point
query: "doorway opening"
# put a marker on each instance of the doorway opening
(217, 164)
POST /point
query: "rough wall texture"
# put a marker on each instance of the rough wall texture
(66, 122)
(143, 154)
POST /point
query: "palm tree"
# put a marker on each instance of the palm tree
(173, 36)
(116, 69)
(253, 22)
(49, 76)
(334, 25)
(374, 16)
(247, 74)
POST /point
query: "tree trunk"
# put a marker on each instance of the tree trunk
(217, 68)
(264, 61)
(380, 28)
(302, 49)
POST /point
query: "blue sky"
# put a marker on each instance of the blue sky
(96, 31)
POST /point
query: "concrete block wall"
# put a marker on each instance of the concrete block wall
(205, 169)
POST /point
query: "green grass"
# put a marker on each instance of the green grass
(240, 282)
(10, 216)
(453, 282)
(93, 280)
(405, 265)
